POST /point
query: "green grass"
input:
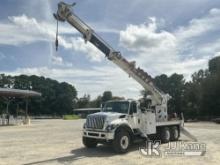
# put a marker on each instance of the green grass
(70, 117)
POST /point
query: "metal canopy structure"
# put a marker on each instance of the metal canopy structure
(86, 109)
(83, 112)
(8, 92)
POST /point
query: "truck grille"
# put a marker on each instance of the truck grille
(95, 122)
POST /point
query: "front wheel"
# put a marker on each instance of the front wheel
(89, 142)
(121, 142)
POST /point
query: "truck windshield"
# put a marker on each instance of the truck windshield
(120, 107)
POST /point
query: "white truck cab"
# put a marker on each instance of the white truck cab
(122, 122)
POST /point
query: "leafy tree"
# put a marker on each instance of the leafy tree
(214, 65)
(83, 102)
(6, 81)
(57, 98)
(96, 103)
(117, 98)
(173, 85)
(107, 95)
(210, 101)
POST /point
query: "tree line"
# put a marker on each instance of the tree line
(197, 99)
(57, 98)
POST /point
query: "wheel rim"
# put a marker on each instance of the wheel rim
(176, 134)
(124, 142)
(167, 135)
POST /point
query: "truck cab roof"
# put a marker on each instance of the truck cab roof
(122, 100)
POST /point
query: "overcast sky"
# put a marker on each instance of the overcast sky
(172, 36)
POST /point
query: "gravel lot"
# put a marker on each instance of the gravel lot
(59, 142)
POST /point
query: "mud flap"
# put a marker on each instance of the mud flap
(185, 132)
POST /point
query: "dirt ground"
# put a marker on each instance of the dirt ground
(59, 142)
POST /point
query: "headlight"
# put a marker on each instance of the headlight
(111, 127)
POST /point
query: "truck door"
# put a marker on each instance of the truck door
(134, 118)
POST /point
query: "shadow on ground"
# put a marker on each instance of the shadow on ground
(81, 153)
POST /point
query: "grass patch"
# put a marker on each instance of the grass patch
(70, 117)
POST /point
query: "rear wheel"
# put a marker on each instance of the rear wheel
(89, 142)
(165, 135)
(174, 133)
(121, 142)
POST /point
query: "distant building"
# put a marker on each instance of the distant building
(83, 112)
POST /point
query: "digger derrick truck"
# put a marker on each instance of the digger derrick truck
(123, 122)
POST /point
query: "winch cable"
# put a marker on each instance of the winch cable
(56, 42)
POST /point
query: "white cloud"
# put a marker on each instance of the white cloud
(155, 50)
(217, 54)
(200, 26)
(210, 47)
(144, 37)
(160, 51)
(56, 60)
(25, 30)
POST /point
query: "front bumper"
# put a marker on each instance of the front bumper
(98, 135)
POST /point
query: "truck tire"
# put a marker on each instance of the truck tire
(174, 133)
(121, 142)
(165, 134)
(89, 142)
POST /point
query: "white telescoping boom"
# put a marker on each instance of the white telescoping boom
(159, 98)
